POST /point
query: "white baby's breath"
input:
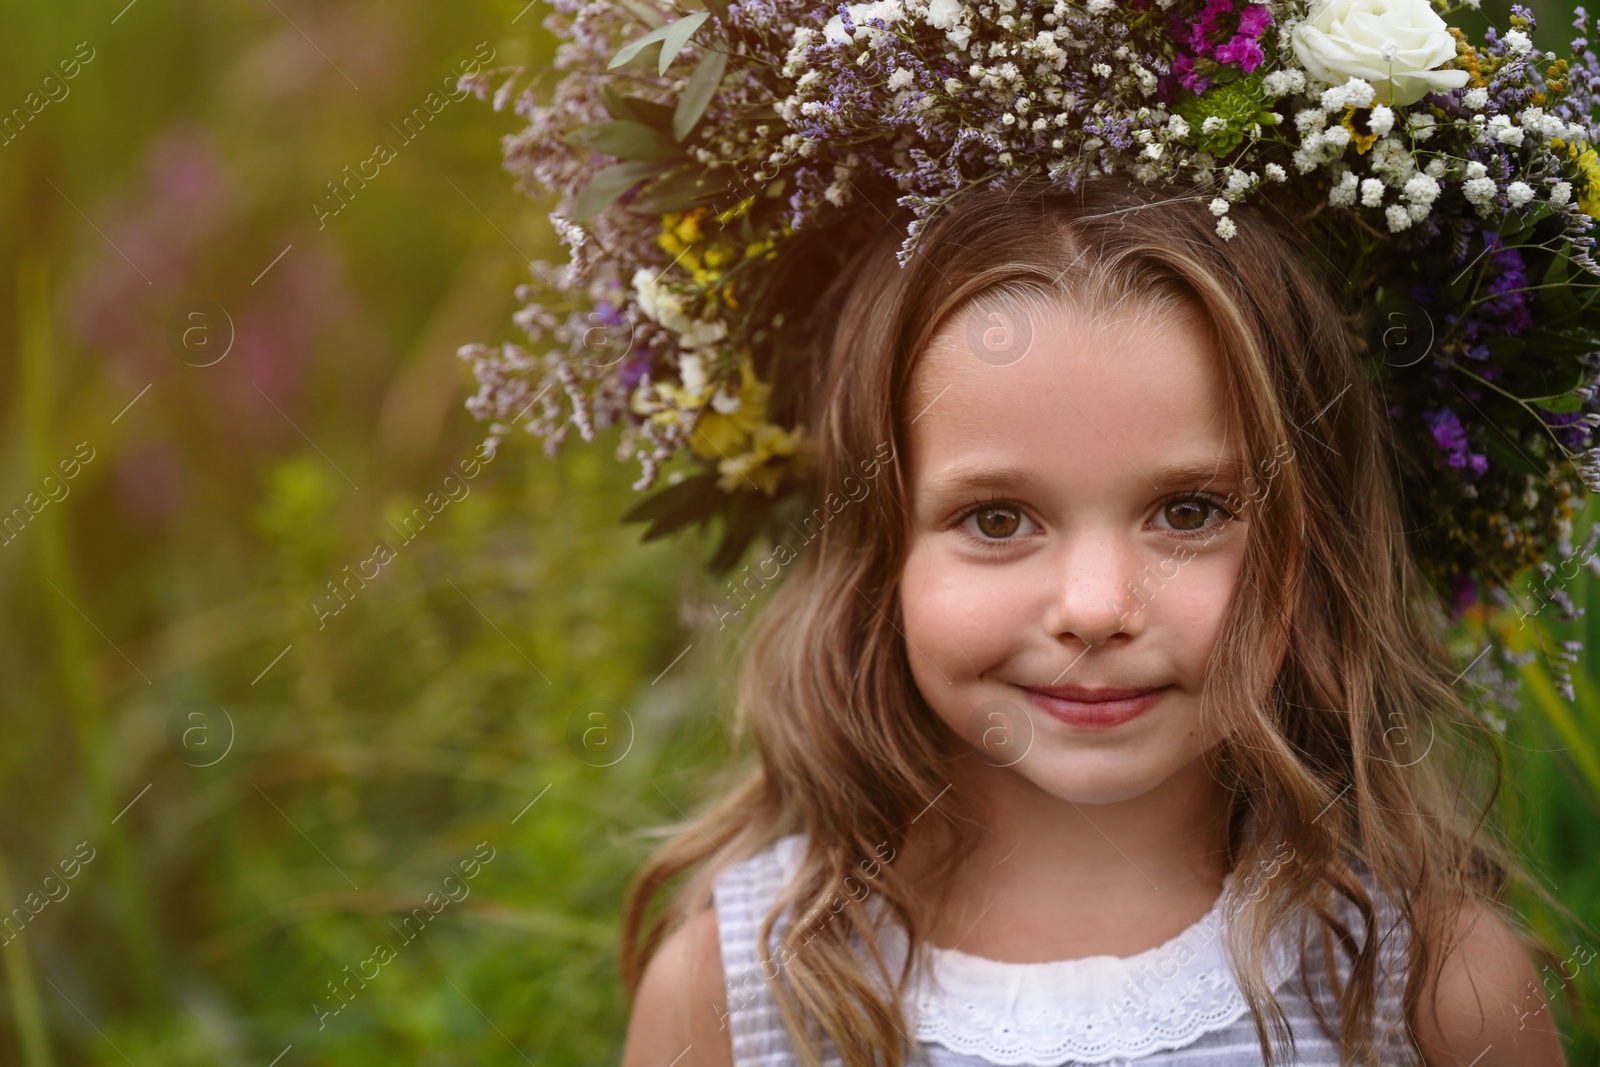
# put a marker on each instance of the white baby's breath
(1343, 193)
(1518, 193)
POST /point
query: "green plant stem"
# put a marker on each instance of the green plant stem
(1578, 737)
(69, 640)
(23, 992)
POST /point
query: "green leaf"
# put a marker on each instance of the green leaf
(677, 190)
(1566, 374)
(611, 183)
(616, 104)
(669, 499)
(625, 140)
(1509, 457)
(636, 109)
(1554, 293)
(672, 37)
(718, 8)
(678, 35)
(701, 509)
(744, 519)
(1543, 343)
(1501, 347)
(692, 500)
(1563, 406)
(697, 94)
(1520, 225)
(656, 116)
(633, 48)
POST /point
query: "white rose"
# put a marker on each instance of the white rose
(1393, 44)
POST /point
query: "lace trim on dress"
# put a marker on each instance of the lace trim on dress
(1089, 1010)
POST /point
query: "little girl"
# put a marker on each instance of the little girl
(1096, 731)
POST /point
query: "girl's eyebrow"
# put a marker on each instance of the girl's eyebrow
(965, 478)
(1223, 469)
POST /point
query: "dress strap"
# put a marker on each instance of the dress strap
(743, 894)
(1392, 965)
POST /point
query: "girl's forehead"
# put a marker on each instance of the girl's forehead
(1005, 352)
(1086, 395)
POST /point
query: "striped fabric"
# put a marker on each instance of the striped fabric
(744, 893)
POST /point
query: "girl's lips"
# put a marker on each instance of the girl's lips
(1096, 714)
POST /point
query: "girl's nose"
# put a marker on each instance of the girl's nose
(1093, 590)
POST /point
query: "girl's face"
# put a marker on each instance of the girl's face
(1074, 531)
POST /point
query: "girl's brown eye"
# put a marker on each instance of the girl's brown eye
(1193, 514)
(1187, 515)
(997, 522)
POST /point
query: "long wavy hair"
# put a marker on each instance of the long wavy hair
(1328, 676)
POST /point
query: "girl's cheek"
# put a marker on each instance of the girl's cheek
(954, 613)
(1199, 604)
(963, 592)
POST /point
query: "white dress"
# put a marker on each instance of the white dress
(1177, 1003)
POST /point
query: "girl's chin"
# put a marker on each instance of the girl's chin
(1091, 781)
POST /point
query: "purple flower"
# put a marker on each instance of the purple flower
(1465, 594)
(633, 368)
(1242, 52)
(1451, 438)
(610, 314)
(1183, 67)
(1256, 18)
(1569, 428)
(1508, 299)
(1206, 24)
(1223, 32)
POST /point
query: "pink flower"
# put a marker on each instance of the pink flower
(1256, 18)
(1242, 52)
(1206, 25)
(1183, 67)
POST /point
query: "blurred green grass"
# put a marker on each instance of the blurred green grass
(268, 795)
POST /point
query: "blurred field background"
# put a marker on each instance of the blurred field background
(249, 791)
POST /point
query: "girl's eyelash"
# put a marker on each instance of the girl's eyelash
(958, 521)
(1204, 498)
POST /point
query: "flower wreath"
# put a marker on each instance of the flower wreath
(1452, 183)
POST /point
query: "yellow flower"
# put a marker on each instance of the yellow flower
(770, 442)
(708, 255)
(748, 448)
(684, 226)
(1363, 138)
(736, 210)
(1587, 179)
(660, 414)
(677, 401)
(681, 233)
(726, 433)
